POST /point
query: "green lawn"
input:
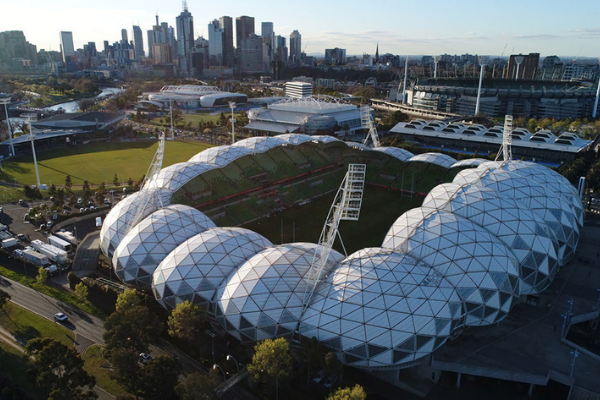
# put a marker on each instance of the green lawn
(25, 325)
(15, 367)
(97, 366)
(96, 162)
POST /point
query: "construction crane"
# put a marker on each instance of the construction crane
(153, 171)
(345, 207)
(366, 119)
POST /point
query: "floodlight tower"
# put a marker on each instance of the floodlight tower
(405, 76)
(232, 106)
(172, 130)
(367, 122)
(5, 101)
(518, 60)
(29, 117)
(346, 206)
(506, 140)
(482, 64)
(595, 110)
(436, 61)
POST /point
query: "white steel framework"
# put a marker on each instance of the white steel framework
(346, 206)
(6, 100)
(29, 117)
(189, 89)
(366, 119)
(506, 140)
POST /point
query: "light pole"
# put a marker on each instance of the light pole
(575, 355)
(32, 138)
(598, 305)
(237, 366)
(172, 131)
(405, 76)
(518, 60)
(215, 366)
(5, 101)
(482, 64)
(232, 106)
(212, 338)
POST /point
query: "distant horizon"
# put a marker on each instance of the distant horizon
(551, 27)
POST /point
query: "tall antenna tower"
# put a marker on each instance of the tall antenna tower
(367, 123)
(346, 206)
(506, 140)
(153, 171)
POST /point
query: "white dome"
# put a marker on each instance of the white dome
(400, 154)
(294, 138)
(434, 158)
(264, 297)
(120, 219)
(221, 155)
(198, 266)
(382, 309)
(483, 270)
(175, 176)
(259, 144)
(149, 242)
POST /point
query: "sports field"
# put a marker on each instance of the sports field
(96, 162)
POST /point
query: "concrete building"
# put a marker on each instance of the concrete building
(295, 48)
(216, 43)
(124, 35)
(527, 69)
(66, 45)
(226, 23)
(244, 27)
(335, 56)
(138, 41)
(251, 55)
(185, 40)
(298, 90)
(16, 51)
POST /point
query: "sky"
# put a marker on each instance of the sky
(565, 28)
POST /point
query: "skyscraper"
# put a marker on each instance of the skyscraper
(266, 29)
(226, 23)
(295, 47)
(138, 40)
(185, 39)
(216, 36)
(124, 35)
(244, 27)
(66, 45)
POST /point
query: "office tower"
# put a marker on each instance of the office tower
(251, 55)
(216, 36)
(138, 41)
(66, 45)
(16, 50)
(335, 56)
(266, 29)
(160, 34)
(295, 47)
(226, 23)
(124, 35)
(244, 27)
(185, 39)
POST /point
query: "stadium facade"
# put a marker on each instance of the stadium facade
(192, 97)
(498, 232)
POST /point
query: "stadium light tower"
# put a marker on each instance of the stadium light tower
(405, 76)
(595, 110)
(6, 100)
(482, 63)
(518, 60)
(436, 61)
(172, 130)
(506, 149)
(232, 106)
(29, 117)
(368, 123)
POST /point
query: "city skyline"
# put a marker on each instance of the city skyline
(549, 27)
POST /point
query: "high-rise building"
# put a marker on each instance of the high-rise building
(161, 34)
(15, 50)
(266, 29)
(335, 56)
(268, 34)
(251, 55)
(226, 23)
(295, 47)
(124, 35)
(138, 41)
(244, 27)
(185, 40)
(216, 36)
(527, 68)
(66, 45)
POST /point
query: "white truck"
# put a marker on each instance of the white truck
(55, 254)
(8, 243)
(67, 237)
(60, 243)
(35, 257)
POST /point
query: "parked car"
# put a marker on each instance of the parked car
(21, 202)
(60, 317)
(21, 236)
(145, 357)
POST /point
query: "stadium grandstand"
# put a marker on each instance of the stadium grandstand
(191, 97)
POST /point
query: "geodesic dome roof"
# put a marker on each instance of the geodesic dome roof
(198, 266)
(175, 176)
(469, 162)
(435, 158)
(382, 309)
(149, 242)
(221, 155)
(485, 273)
(264, 297)
(325, 138)
(294, 138)
(120, 219)
(259, 144)
(525, 233)
(400, 154)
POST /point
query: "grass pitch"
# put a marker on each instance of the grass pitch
(96, 162)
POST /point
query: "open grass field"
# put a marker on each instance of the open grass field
(96, 365)
(96, 162)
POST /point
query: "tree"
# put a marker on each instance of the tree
(116, 180)
(355, 393)
(127, 369)
(58, 369)
(197, 386)
(42, 276)
(129, 182)
(186, 321)
(73, 200)
(87, 192)
(132, 329)
(100, 193)
(68, 183)
(73, 279)
(128, 299)
(81, 291)
(159, 378)
(271, 361)
(52, 190)
(4, 298)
